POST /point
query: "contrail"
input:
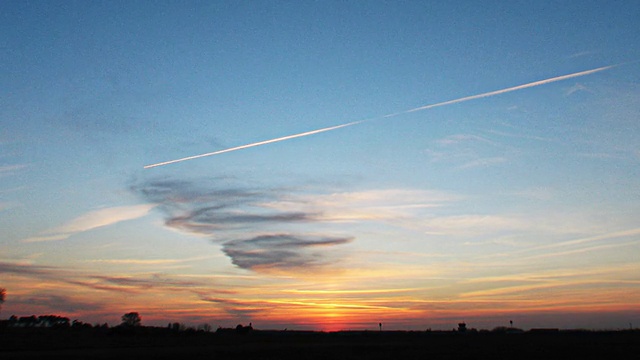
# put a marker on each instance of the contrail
(425, 107)
(498, 92)
(256, 144)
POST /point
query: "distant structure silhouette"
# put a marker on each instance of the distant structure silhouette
(244, 329)
(462, 327)
(380, 325)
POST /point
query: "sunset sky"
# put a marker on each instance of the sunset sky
(518, 205)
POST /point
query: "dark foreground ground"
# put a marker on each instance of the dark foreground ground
(47, 343)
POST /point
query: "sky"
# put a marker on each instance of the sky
(518, 205)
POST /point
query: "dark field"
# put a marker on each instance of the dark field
(52, 343)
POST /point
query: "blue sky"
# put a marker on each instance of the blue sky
(524, 203)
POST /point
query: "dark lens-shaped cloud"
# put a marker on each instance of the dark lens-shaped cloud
(225, 213)
(278, 251)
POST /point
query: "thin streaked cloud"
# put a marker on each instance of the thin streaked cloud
(577, 88)
(483, 162)
(581, 54)
(148, 261)
(519, 135)
(463, 138)
(7, 170)
(92, 220)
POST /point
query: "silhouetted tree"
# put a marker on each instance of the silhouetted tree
(3, 296)
(77, 324)
(500, 329)
(53, 321)
(131, 319)
(28, 321)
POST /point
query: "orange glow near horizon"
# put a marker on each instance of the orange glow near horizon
(399, 295)
(334, 310)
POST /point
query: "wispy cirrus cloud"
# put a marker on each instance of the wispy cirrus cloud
(468, 151)
(62, 303)
(152, 262)
(375, 205)
(82, 279)
(519, 135)
(241, 308)
(483, 162)
(576, 88)
(468, 224)
(634, 232)
(581, 54)
(6, 170)
(92, 220)
(463, 138)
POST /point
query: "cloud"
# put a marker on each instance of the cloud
(147, 282)
(576, 88)
(239, 308)
(472, 224)
(105, 217)
(50, 275)
(376, 204)
(24, 269)
(520, 136)
(581, 54)
(536, 193)
(58, 303)
(278, 251)
(275, 229)
(585, 240)
(469, 151)
(461, 138)
(6, 170)
(227, 214)
(56, 275)
(483, 162)
(153, 262)
(93, 220)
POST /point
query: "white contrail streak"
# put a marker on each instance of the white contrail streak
(498, 92)
(256, 144)
(444, 103)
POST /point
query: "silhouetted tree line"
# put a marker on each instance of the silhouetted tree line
(239, 329)
(46, 321)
